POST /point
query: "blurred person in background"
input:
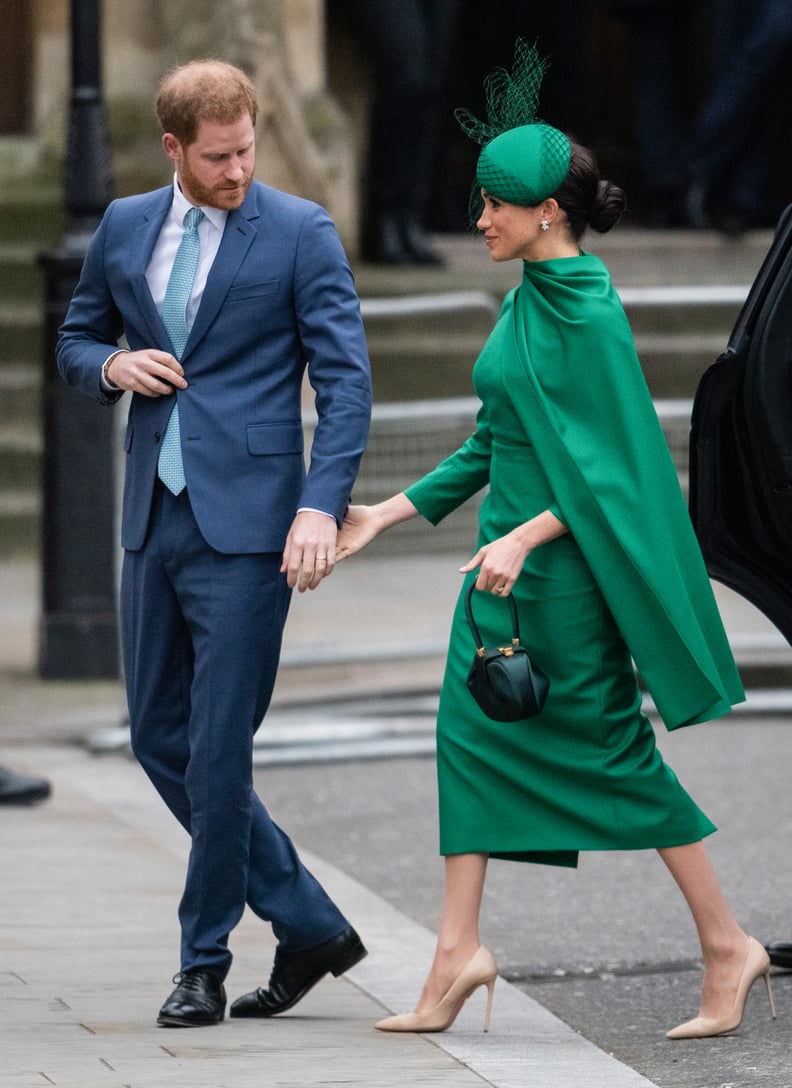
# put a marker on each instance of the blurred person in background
(660, 111)
(730, 156)
(407, 43)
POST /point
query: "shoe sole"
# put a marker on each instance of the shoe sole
(175, 1022)
(178, 1022)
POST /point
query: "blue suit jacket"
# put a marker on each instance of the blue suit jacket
(280, 296)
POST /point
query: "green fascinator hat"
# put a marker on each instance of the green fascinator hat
(524, 165)
(522, 160)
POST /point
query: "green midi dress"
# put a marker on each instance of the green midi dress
(566, 424)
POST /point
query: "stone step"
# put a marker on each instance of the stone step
(646, 258)
(421, 357)
(673, 366)
(635, 258)
(20, 457)
(20, 276)
(32, 215)
(417, 366)
(20, 522)
(20, 395)
(681, 311)
(671, 309)
(20, 332)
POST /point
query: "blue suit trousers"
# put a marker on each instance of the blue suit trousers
(202, 635)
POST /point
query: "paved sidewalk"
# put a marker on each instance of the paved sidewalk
(91, 879)
(87, 938)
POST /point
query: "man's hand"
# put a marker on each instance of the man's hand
(150, 372)
(310, 552)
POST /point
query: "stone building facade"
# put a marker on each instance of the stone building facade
(305, 143)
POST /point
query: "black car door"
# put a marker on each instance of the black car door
(741, 445)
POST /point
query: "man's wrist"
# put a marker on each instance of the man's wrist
(106, 379)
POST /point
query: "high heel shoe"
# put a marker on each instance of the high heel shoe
(481, 970)
(757, 963)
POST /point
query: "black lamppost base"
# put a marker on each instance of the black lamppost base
(79, 647)
(78, 633)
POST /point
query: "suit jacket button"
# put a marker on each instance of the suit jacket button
(157, 436)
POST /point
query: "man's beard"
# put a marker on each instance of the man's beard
(217, 196)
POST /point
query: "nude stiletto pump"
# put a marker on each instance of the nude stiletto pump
(757, 963)
(481, 970)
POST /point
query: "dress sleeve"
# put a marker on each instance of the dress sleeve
(456, 478)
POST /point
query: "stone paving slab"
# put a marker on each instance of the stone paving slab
(88, 932)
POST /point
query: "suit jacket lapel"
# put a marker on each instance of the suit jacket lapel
(237, 238)
(142, 246)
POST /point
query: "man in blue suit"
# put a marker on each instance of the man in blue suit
(222, 309)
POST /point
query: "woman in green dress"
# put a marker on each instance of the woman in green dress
(585, 525)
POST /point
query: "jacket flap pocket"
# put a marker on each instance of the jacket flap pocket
(269, 438)
(244, 291)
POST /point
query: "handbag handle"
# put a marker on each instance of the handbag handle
(480, 650)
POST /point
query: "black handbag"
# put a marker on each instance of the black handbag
(503, 680)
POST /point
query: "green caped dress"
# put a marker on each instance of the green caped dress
(567, 424)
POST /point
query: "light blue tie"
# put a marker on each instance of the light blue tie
(170, 467)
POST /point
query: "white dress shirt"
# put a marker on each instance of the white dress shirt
(210, 232)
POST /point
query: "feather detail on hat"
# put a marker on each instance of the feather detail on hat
(511, 98)
(523, 160)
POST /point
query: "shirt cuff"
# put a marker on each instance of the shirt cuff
(313, 510)
(104, 382)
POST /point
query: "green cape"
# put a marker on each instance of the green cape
(570, 360)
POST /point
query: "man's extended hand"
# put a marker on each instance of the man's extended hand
(150, 372)
(310, 552)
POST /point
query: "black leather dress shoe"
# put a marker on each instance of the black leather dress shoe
(199, 998)
(417, 246)
(294, 974)
(18, 789)
(780, 953)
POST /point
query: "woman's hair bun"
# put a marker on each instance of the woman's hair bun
(586, 197)
(607, 208)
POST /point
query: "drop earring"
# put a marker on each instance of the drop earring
(544, 225)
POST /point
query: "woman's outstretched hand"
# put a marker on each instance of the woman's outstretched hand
(363, 523)
(360, 527)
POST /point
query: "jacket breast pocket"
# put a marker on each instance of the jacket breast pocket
(266, 439)
(249, 292)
